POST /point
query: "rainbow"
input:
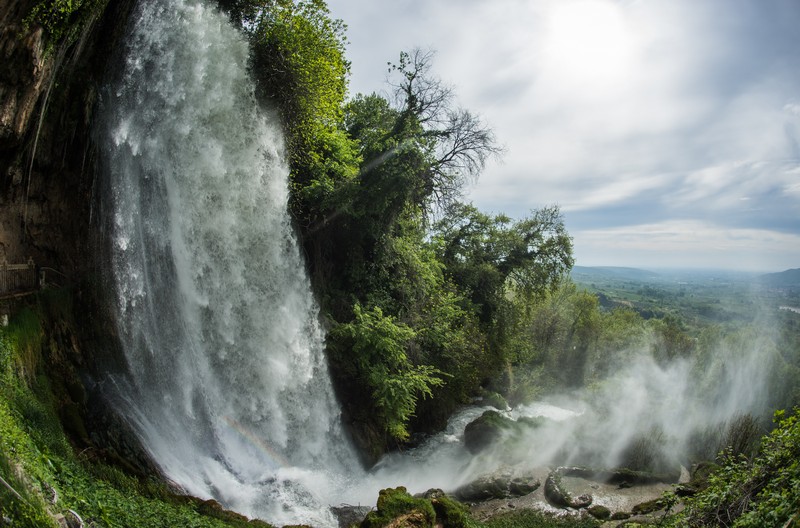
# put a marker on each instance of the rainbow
(260, 443)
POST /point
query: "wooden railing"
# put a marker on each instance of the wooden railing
(18, 278)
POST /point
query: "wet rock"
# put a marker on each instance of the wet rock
(484, 488)
(553, 491)
(347, 515)
(648, 507)
(519, 487)
(495, 400)
(433, 493)
(623, 477)
(581, 501)
(558, 496)
(485, 430)
(599, 512)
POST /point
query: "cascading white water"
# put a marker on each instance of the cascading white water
(228, 385)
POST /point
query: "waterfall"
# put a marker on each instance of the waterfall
(227, 382)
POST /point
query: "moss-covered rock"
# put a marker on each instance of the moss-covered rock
(496, 400)
(599, 512)
(485, 430)
(450, 513)
(623, 477)
(648, 507)
(397, 508)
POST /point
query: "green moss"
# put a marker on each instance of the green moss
(536, 519)
(451, 513)
(25, 336)
(599, 512)
(649, 507)
(396, 502)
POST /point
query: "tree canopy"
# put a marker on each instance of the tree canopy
(414, 309)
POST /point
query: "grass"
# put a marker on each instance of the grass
(36, 456)
(535, 519)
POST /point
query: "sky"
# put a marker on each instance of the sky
(667, 131)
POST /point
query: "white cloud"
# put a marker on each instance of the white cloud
(668, 243)
(686, 110)
(792, 109)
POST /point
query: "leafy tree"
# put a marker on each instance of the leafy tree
(456, 141)
(483, 254)
(299, 66)
(416, 151)
(409, 282)
(379, 359)
(671, 341)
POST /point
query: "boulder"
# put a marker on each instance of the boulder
(495, 400)
(484, 488)
(557, 495)
(347, 515)
(485, 430)
(496, 487)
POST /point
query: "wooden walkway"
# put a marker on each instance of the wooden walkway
(16, 279)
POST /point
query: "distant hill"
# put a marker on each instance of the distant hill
(784, 279)
(612, 272)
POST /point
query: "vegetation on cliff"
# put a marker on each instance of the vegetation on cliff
(64, 20)
(750, 491)
(417, 309)
(47, 473)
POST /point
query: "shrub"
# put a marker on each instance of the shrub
(764, 491)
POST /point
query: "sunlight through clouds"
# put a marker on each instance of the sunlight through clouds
(625, 113)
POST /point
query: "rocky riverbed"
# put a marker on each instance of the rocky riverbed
(612, 495)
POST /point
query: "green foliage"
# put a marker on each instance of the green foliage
(299, 65)
(764, 491)
(25, 335)
(410, 282)
(64, 20)
(535, 519)
(671, 340)
(397, 508)
(35, 455)
(378, 345)
(394, 503)
(485, 254)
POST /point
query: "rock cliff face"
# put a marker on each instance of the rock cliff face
(49, 197)
(23, 72)
(48, 92)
